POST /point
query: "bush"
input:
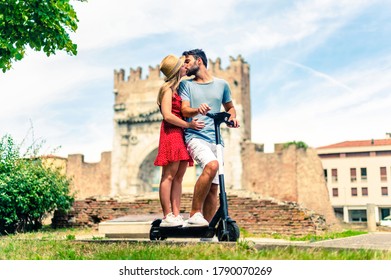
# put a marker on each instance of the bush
(29, 188)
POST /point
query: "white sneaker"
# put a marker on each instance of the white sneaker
(172, 221)
(197, 220)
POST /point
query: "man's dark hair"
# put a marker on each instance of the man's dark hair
(197, 53)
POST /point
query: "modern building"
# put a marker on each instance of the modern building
(358, 174)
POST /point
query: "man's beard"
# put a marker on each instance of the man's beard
(193, 70)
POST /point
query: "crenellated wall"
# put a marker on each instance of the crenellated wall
(290, 174)
(89, 179)
(291, 197)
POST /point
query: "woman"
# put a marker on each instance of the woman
(172, 153)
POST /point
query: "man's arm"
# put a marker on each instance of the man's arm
(189, 112)
(229, 108)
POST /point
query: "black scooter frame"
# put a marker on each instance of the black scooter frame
(221, 224)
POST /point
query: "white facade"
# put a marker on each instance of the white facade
(358, 175)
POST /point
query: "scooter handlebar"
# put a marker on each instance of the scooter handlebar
(221, 117)
(230, 123)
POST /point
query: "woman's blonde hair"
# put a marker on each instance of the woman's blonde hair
(173, 84)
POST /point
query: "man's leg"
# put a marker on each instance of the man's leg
(202, 187)
(210, 205)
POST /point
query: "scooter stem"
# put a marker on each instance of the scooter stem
(219, 118)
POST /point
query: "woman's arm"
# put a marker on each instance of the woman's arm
(168, 116)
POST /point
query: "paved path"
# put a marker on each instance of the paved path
(376, 240)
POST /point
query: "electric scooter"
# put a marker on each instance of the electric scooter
(221, 224)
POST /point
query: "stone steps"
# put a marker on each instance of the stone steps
(253, 214)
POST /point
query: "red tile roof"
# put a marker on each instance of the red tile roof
(359, 143)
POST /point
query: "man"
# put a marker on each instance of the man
(200, 95)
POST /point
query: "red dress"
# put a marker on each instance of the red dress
(172, 144)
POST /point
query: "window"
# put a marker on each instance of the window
(353, 175)
(334, 175)
(354, 191)
(325, 174)
(364, 191)
(335, 192)
(384, 191)
(329, 156)
(358, 154)
(383, 153)
(363, 174)
(339, 213)
(358, 215)
(384, 212)
(383, 174)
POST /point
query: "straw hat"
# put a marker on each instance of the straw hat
(170, 65)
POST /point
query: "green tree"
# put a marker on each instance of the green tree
(29, 188)
(42, 25)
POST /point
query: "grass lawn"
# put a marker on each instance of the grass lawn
(66, 245)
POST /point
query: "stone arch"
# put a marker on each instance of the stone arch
(148, 173)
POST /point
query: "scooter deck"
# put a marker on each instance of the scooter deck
(181, 232)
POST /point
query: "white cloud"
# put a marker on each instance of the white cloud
(34, 86)
(39, 80)
(307, 19)
(327, 110)
(107, 24)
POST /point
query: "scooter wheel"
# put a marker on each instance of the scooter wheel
(154, 234)
(233, 232)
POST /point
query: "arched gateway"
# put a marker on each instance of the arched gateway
(137, 126)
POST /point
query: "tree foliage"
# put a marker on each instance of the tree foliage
(42, 25)
(29, 188)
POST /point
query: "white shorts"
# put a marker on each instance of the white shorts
(203, 152)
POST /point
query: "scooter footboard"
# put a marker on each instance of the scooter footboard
(161, 233)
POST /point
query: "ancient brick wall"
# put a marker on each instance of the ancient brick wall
(252, 214)
(89, 179)
(291, 174)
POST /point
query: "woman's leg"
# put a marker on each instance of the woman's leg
(176, 189)
(168, 173)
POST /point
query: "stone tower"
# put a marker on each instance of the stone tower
(137, 126)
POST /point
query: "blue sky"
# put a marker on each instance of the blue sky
(320, 70)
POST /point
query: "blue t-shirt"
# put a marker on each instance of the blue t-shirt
(214, 93)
